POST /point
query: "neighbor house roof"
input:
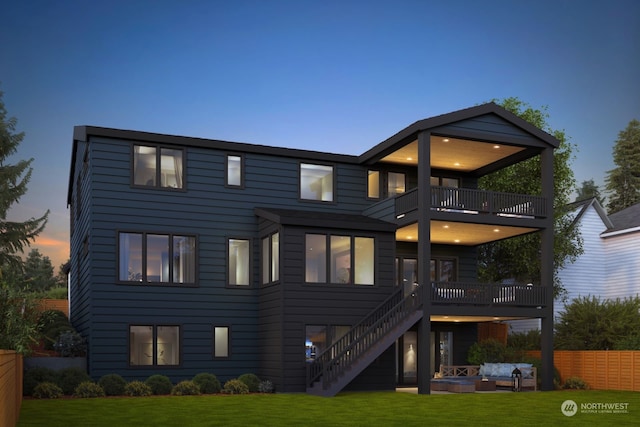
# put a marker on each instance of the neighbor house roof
(626, 220)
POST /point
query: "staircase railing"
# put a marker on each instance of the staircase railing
(330, 364)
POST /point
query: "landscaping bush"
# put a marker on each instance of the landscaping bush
(112, 384)
(70, 378)
(489, 351)
(235, 386)
(266, 387)
(35, 376)
(159, 384)
(50, 325)
(47, 390)
(137, 388)
(252, 382)
(185, 388)
(88, 389)
(575, 383)
(208, 383)
(537, 363)
(70, 344)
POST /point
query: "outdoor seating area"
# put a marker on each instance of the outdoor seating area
(486, 377)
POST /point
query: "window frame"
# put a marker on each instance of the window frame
(249, 262)
(352, 262)
(269, 259)
(213, 342)
(158, 168)
(379, 196)
(154, 336)
(334, 182)
(388, 183)
(144, 255)
(227, 184)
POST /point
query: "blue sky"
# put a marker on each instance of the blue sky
(338, 76)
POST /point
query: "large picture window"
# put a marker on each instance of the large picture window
(341, 259)
(154, 345)
(239, 265)
(158, 167)
(316, 182)
(157, 258)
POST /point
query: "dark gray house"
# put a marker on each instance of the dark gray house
(316, 271)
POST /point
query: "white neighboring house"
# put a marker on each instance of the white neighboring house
(609, 268)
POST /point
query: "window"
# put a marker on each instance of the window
(157, 258)
(342, 259)
(235, 177)
(395, 183)
(239, 256)
(445, 182)
(316, 182)
(154, 345)
(443, 270)
(373, 184)
(271, 258)
(157, 167)
(221, 347)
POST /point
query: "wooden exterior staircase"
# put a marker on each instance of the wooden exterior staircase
(340, 363)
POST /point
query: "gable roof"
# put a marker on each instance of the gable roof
(581, 206)
(626, 220)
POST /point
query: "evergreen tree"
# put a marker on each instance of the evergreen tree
(623, 182)
(518, 257)
(14, 236)
(38, 271)
(588, 190)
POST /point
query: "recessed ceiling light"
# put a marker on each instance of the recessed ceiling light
(457, 240)
(496, 146)
(409, 158)
(446, 317)
(456, 164)
(496, 230)
(445, 140)
(445, 226)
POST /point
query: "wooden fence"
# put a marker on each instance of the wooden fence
(602, 370)
(10, 387)
(55, 304)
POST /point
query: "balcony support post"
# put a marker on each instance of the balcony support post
(546, 270)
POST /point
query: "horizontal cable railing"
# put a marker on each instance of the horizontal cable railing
(488, 294)
(467, 200)
(330, 364)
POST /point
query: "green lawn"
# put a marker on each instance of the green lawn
(347, 409)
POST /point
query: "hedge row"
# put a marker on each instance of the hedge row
(45, 383)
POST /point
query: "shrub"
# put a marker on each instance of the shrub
(88, 389)
(159, 384)
(266, 387)
(112, 384)
(185, 388)
(208, 383)
(70, 344)
(137, 388)
(51, 324)
(47, 390)
(575, 383)
(70, 378)
(489, 351)
(35, 376)
(251, 380)
(235, 386)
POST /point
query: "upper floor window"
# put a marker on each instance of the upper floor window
(271, 258)
(340, 259)
(373, 184)
(445, 182)
(444, 270)
(316, 182)
(395, 183)
(238, 262)
(158, 167)
(157, 258)
(235, 176)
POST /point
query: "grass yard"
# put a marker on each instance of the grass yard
(347, 409)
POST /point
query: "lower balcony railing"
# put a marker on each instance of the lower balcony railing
(488, 294)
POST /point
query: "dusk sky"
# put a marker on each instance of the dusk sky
(337, 76)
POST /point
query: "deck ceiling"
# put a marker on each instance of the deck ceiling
(460, 233)
(452, 153)
(460, 319)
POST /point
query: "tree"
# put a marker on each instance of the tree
(14, 236)
(588, 190)
(18, 318)
(38, 271)
(623, 182)
(518, 257)
(588, 323)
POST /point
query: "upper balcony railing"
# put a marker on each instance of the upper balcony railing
(470, 201)
(488, 294)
